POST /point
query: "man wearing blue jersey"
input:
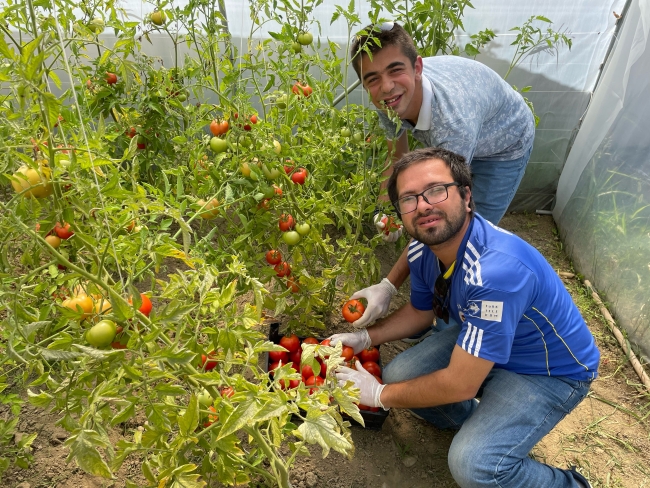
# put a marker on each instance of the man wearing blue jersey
(519, 342)
(449, 102)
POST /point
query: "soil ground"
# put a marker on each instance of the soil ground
(607, 437)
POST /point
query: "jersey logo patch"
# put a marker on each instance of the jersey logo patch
(485, 310)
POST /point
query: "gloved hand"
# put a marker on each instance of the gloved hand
(378, 297)
(370, 388)
(386, 226)
(356, 340)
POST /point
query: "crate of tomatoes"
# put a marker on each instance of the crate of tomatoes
(369, 358)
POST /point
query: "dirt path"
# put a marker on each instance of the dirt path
(607, 436)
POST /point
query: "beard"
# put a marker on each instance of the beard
(453, 223)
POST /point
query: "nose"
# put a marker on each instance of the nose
(387, 84)
(424, 201)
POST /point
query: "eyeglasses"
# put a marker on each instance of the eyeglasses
(435, 194)
(440, 290)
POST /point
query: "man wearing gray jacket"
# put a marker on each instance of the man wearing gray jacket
(449, 102)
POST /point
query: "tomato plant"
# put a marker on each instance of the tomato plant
(353, 310)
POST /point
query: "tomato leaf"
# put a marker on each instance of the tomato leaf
(123, 415)
(83, 449)
(239, 417)
(320, 428)
(189, 421)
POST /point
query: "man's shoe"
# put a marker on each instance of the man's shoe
(419, 336)
(582, 481)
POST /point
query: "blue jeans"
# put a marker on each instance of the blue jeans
(494, 184)
(495, 436)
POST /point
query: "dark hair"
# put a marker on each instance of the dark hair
(372, 38)
(460, 171)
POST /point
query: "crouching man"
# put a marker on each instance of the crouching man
(522, 346)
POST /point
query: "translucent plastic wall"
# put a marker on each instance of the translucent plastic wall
(603, 201)
(561, 81)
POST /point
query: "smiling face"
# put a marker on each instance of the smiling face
(441, 225)
(392, 81)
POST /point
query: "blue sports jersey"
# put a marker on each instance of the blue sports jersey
(513, 308)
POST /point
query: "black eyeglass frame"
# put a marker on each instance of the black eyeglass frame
(417, 201)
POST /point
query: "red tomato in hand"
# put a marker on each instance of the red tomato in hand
(299, 176)
(286, 222)
(353, 310)
(282, 269)
(63, 231)
(390, 225)
(372, 368)
(290, 342)
(370, 354)
(347, 353)
(273, 257)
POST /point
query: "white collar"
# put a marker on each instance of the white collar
(424, 118)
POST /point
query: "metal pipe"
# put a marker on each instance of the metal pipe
(338, 99)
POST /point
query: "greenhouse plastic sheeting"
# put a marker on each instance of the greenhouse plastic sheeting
(561, 84)
(603, 199)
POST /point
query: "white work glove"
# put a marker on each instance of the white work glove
(380, 221)
(378, 297)
(370, 388)
(356, 340)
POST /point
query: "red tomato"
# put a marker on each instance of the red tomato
(286, 222)
(211, 418)
(323, 369)
(325, 342)
(371, 367)
(206, 363)
(370, 354)
(310, 340)
(273, 257)
(275, 356)
(63, 231)
(299, 176)
(295, 357)
(290, 342)
(227, 391)
(347, 353)
(314, 381)
(247, 127)
(288, 168)
(111, 78)
(131, 132)
(293, 285)
(353, 310)
(264, 204)
(390, 225)
(146, 306)
(304, 90)
(282, 269)
(219, 128)
(277, 190)
(273, 366)
(306, 371)
(253, 119)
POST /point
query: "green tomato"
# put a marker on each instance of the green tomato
(358, 137)
(303, 229)
(305, 38)
(245, 141)
(269, 191)
(291, 238)
(205, 399)
(101, 334)
(281, 102)
(157, 17)
(345, 132)
(97, 25)
(296, 47)
(182, 96)
(218, 145)
(271, 174)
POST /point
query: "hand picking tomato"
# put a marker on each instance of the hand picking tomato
(370, 354)
(353, 310)
(63, 231)
(282, 269)
(290, 342)
(273, 257)
(390, 225)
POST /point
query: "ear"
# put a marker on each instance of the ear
(418, 68)
(468, 198)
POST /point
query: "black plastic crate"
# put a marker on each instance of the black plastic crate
(372, 420)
